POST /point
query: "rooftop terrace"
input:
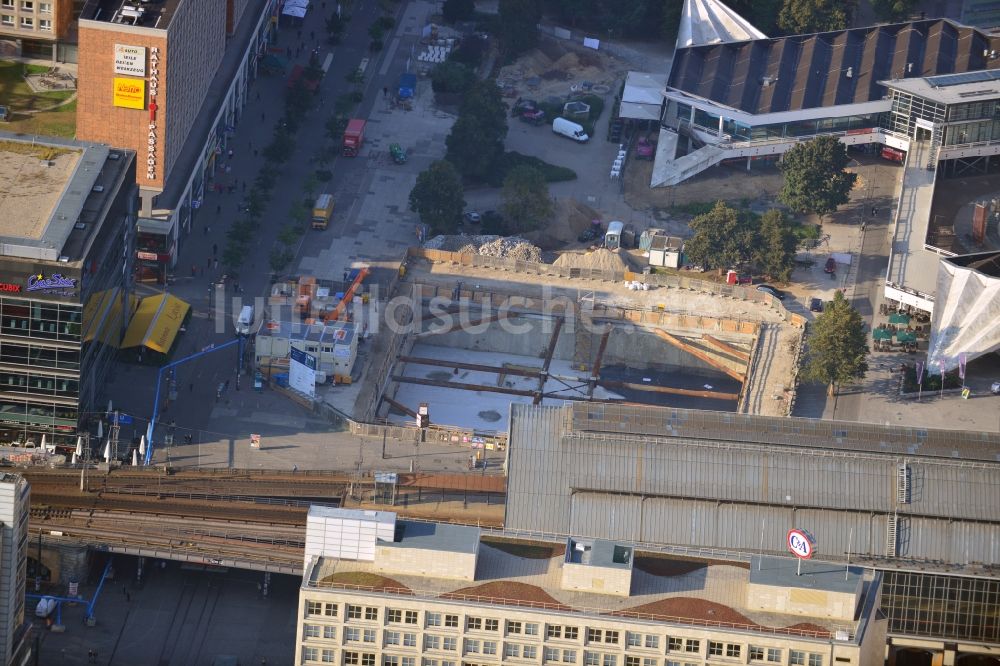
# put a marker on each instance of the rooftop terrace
(140, 13)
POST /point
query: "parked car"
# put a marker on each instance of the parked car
(815, 305)
(831, 265)
(644, 149)
(995, 388)
(533, 117)
(768, 289)
(472, 217)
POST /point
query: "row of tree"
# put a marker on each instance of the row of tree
(725, 237)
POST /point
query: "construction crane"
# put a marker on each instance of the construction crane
(338, 310)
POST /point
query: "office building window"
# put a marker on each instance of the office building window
(314, 607)
(328, 656)
(553, 631)
(550, 654)
(27, 22)
(311, 631)
(371, 613)
(7, 4)
(652, 641)
(491, 625)
(310, 654)
(513, 627)
(6, 19)
(797, 658)
(593, 635)
(571, 633)
(451, 621)
(529, 652)
(633, 639)
(45, 7)
(391, 638)
(756, 653)
(408, 661)
(569, 656)
(352, 658)
(432, 642)
(351, 634)
(774, 655)
(611, 636)
(367, 659)
(473, 623)
(390, 661)
(393, 615)
(472, 646)
(353, 612)
(330, 610)
(330, 633)
(650, 661)
(511, 650)
(432, 619)
(28, 5)
(692, 645)
(714, 649)
(429, 662)
(450, 644)
(815, 659)
(530, 629)
(489, 647)
(591, 659)
(734, 650)
(632, 661)
(410, 640)
(45, 24)
(609, 660)
(410, 617)
(369, 636)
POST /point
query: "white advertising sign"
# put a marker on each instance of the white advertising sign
(925, 124)
(302, 372)
(130, 60)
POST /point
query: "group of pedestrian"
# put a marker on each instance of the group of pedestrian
(91, 656)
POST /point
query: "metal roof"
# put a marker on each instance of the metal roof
(827, 69)
(662, 475)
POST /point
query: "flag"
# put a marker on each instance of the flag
(920, 373)
(961, 366)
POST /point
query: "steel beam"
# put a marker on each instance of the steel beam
(726, 347)
(469, 366)
(462, 386)
(697, 353)
(651, 388)
(596, 371)
(400, 406)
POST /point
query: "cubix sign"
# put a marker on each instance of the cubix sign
(801, 544)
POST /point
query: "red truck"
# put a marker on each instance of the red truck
(354, 136)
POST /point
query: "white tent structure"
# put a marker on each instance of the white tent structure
(643, 96)
(966, 319)
(711, 22)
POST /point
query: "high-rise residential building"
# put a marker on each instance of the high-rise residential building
(66, 213)
(14, 630)
(37, 29)
(168, 80)
(378, 591)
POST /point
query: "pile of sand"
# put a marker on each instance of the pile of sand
(558, 65)
(570, 219)
(601, 259)
(488, 246)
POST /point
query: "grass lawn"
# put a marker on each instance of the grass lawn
(18, 97)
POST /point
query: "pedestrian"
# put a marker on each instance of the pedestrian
(299, 33)
(230, 153)
(128, 597)
(215, 249)
(194, 270)
(245, 184)
(208, 229)
(262, 116)
(191, 388)
(227, 384)
(312, 35)
(258, 95)
(385, 92)
(216, 267)
(124, 589)
(208, 262)
(255, 152)
(288, 52)
(218, 209)
(231, 188)
(236, 286)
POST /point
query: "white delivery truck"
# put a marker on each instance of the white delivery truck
(245, 321)
(569, 129)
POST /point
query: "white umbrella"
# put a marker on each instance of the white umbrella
(79, 446)
(100, 429)
(73, 461)
(43, 441)
(142, 445)
(107, 452)
(135, 458)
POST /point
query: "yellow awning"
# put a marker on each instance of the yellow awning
(156, 323)
(102, 316)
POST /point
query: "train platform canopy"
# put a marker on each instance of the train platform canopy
(966, 319)
(711, 22)
(156, 323)
(643, 96)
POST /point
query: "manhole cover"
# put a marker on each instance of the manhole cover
(490, 415)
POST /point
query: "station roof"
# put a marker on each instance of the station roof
(952, 88)
(828, 69)
(443, 537)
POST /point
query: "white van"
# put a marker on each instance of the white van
(569, 129)
(245, 321)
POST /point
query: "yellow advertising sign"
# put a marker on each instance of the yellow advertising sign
(130, 93)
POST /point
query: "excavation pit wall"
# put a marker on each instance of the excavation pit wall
(634, 355)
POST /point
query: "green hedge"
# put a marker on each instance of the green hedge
(552, 172)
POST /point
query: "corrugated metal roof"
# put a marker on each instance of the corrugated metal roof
(662, 475)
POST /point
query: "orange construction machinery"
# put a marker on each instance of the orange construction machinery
(357, 277)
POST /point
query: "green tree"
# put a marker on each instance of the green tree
(892, 10)
(438, 197)
(452, 77)
(815, 176)
(475, 145)
(762, 14)
(836, 349)
(723, 237)
(458, 10)
(526, 202)
(518, 26)
(800, 17)
(774, 251)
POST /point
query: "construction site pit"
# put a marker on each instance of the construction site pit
(467, 368)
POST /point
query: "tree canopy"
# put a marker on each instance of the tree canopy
(438, 197)
(837, 347)
(723, 237)
(774, 249)
(815, 176)
(458, 10)
(892, 10)
(801, 17)
(518, 21)
(476, 142)
(526, 202)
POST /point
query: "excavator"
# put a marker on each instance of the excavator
(339, 310)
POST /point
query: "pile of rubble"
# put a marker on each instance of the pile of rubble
(487, 246)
